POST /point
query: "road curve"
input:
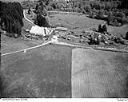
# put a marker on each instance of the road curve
(26, 17)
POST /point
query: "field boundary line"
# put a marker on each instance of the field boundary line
(66, 44)
(94, 48)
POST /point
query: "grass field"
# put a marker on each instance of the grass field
(74, 22)
(42, 72)
(79, 22)
(9, 44)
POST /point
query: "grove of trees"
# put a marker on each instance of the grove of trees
(41, 12)
(11, 15)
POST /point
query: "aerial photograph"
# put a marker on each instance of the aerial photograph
(64, 49)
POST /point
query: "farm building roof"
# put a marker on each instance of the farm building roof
(40, 30)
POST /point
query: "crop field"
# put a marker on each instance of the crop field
(99, 74)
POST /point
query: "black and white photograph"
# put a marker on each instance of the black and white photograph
(70, 49)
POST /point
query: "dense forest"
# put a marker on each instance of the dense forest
(124, 4)
(11, 15)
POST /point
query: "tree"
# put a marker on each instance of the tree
(41, 21)
(29, 10)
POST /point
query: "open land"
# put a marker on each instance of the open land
(50, 70)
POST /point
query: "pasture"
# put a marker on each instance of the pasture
(79, 22)
(41, 72)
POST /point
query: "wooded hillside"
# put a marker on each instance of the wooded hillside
(11, 15)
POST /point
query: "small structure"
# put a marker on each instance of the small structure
(61, 29)
(54, 39)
